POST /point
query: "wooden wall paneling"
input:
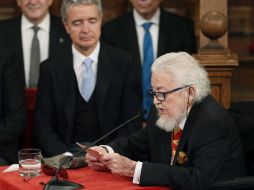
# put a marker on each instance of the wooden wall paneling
(242, 81)
(219, 70)
(55, 7)
(8, 8)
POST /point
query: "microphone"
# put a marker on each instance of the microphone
(139, 114)
(55, 182)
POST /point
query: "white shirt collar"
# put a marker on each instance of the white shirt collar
(43, 25)
(139, 20)
(182, 123)
(79, 57)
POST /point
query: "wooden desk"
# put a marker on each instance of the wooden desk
(92, 180)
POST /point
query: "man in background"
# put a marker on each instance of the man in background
(12, 106)
(149, 31)
(190, 141)
(35, 36)
(88, 90)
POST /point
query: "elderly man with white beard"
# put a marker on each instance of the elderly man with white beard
(190, 141)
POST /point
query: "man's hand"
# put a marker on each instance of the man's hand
(119, 165)
(93, 161)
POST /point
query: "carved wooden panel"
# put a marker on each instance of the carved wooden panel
(220, 85)
(8, 8)
(210, 5)
(219, 68)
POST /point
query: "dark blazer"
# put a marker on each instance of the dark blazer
(12, 106)
(117, 98)
(175, 34)
(243, 115)
(210, 141)
(11, 37)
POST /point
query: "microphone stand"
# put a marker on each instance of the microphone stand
(61, 184)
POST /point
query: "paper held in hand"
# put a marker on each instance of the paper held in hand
(90, 151)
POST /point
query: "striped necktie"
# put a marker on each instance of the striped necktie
(175, 137)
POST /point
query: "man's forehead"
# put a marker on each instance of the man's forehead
(162, 75)
(162, 80)
(79, 12)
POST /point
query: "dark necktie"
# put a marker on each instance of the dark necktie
(34, 59)
(88, 81)
(148, 59)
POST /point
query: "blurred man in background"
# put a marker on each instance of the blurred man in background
(149, 31)
(35, 36)
(12, 106)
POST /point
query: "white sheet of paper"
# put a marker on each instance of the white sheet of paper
(12, 168)
(81, 146)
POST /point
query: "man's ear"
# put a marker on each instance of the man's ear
(50, 3)
(191, 91)
(18, 2)
(65, 26)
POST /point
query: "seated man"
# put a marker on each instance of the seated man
(190, 141)
(12, 106)
(88, 90)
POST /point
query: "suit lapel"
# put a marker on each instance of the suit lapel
(165, 150)
(54, 37)
(190, 122)
(67, 83)
(130, 36)
(19, 39)
(133, 41)
(16, 41)
(164, 35)
(105, 71)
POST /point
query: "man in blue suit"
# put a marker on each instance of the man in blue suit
(169, 33)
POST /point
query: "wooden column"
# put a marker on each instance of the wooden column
(213, 52)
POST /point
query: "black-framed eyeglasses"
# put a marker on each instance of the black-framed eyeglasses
(162, 95)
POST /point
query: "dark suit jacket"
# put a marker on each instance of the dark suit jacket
(12, 108)
(117, 97)
(175, 34)
(243, 115)
(209, 139)
(11, 37)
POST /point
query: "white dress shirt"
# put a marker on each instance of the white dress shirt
(27, 36)
(78, 65)
(138, 168)
(154, 31)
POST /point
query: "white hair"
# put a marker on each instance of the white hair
(185, 70)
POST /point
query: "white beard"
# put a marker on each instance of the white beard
(168, 124)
